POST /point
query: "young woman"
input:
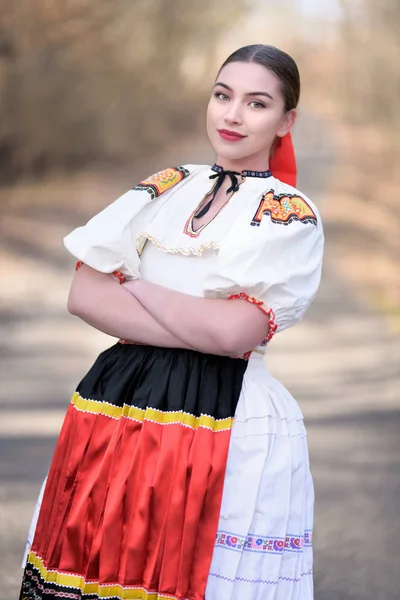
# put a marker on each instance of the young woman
(181, 471)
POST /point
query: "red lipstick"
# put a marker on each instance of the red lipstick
(230, 136)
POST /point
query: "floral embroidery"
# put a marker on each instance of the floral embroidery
(162, 181)
(118, 274)
(264, 544)
(268, 311)
(284, 209)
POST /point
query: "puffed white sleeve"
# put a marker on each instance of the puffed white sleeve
(108, 241)
(275, 266)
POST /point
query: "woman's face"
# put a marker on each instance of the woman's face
(245, 114)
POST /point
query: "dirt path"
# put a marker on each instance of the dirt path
(342, 364)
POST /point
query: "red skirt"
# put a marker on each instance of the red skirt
(132, 501)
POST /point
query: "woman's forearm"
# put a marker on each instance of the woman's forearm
(216, 326)
(104, 304)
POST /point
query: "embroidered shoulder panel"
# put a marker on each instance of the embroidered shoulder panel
(162, 181)
(283, 209)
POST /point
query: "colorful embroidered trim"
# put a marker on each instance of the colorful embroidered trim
(262, 544)
(284, 209)
(118, 274)
(272, 326)
(162, 181)
(65, 585)
(151, 414)
(268, 173)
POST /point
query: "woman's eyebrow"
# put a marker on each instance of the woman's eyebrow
(224, 85)
(260, 94)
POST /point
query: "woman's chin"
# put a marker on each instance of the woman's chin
(230, 152)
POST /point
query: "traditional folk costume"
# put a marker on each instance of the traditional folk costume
(180, 475)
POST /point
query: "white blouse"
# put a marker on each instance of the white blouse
(265, 243)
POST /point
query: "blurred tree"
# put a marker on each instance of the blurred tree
(91, 80)
(364, 84)
(371, 59)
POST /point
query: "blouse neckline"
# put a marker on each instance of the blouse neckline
(239, 179)
(262, 174)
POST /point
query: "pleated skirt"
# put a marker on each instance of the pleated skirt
(154, 494)
(132, 500)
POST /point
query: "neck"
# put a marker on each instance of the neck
(249, 163)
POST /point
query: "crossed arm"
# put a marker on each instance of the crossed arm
(151, 314)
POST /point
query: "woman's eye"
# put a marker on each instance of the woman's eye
(221, 96)
(257, 104)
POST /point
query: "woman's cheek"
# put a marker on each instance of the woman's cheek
(212, 114)
(211, 117)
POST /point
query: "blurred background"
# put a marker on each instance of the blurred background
(95, 96)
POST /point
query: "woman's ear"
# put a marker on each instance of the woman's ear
(288, 121)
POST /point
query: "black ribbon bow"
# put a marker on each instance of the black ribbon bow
(220, 179)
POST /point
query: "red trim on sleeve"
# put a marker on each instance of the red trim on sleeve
(118, 274)
(260, 304)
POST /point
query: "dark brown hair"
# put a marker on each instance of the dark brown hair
(277, 61)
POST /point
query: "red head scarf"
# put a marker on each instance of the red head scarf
(283, 162)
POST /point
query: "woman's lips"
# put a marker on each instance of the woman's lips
(230, 136)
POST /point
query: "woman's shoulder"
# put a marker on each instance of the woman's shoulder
(285, 204)
(167, 178)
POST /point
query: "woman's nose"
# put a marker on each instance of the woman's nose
(233, 114)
